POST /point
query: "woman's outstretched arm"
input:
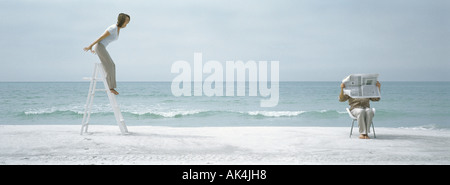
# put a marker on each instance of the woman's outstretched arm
(89, 48)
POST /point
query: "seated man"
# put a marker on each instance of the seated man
(360, 108)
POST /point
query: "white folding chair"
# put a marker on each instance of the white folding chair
(355, 119)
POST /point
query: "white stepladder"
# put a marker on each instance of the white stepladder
(90, 99)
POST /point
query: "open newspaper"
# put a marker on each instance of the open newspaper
(361, 86)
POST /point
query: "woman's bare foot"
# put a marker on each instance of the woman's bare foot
(114, 92)
(366, 137)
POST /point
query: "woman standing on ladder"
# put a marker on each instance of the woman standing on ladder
(111, 34)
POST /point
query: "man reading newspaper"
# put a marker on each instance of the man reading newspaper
(359, 90)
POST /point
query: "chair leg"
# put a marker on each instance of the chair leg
(351, 130)
(373, 128)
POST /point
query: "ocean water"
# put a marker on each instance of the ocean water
(403, 104)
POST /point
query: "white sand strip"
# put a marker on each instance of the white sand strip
(55, 144)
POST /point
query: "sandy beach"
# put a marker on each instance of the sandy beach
(63, 144)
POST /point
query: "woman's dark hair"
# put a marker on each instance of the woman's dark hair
(121, 19)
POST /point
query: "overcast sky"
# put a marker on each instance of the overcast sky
(314, 40)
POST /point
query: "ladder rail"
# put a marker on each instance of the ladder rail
(88, 104)
(94, 80)
(114, 105)
(91, 102)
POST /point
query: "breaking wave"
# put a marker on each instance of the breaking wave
(175, 113)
